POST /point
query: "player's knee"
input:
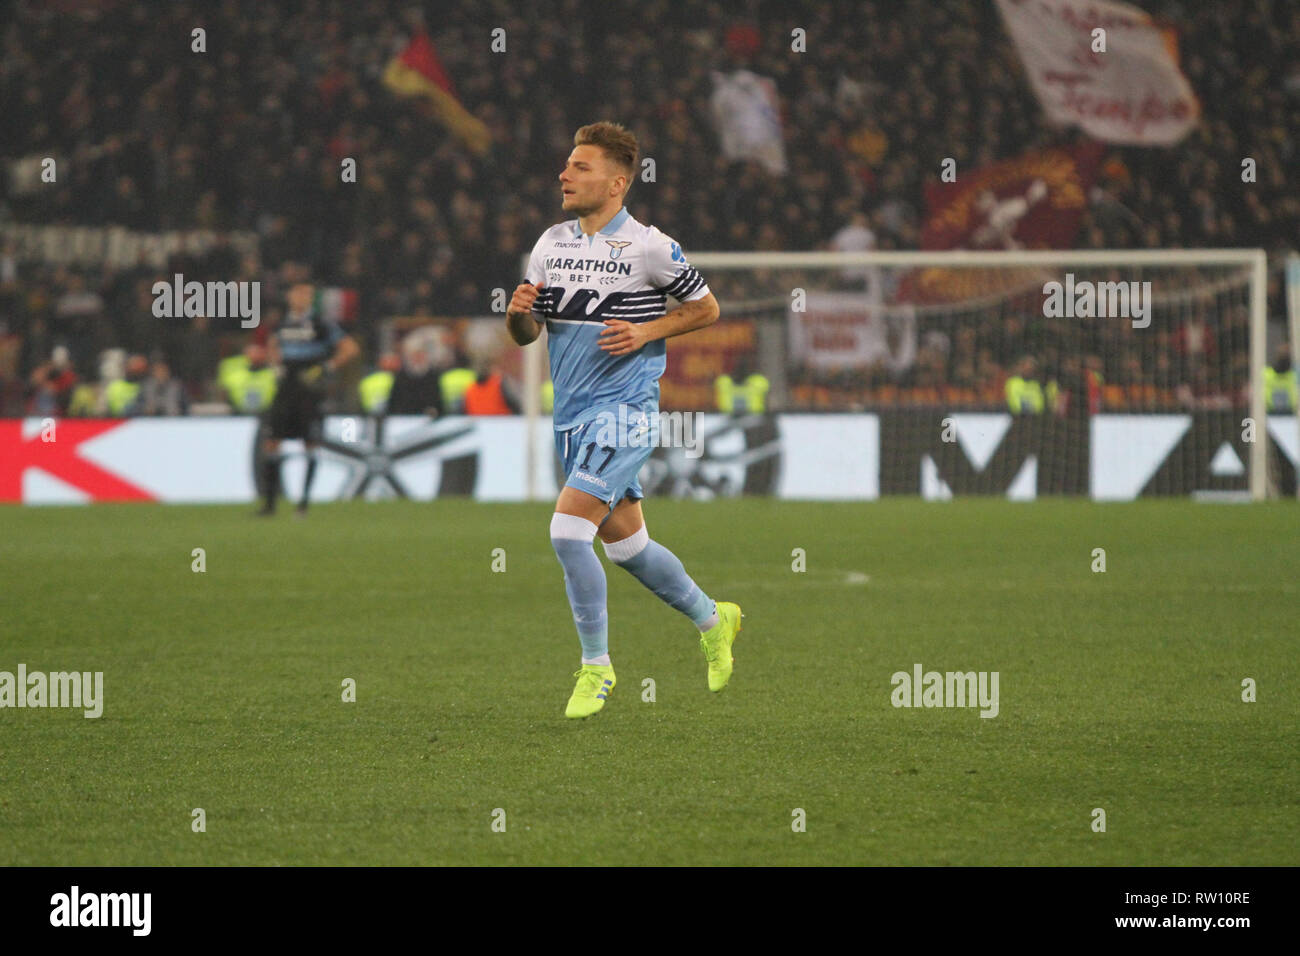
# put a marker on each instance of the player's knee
(570, 532)
(627, 549)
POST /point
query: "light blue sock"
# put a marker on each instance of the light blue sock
(661, 571)
(584, 581)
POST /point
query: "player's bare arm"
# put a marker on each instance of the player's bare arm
(623, 338)
(522, 326)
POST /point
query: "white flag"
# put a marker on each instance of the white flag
(748, 114)
(1122, 85)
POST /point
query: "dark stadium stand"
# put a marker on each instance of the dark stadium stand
(155, 137)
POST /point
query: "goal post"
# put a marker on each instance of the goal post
(534, 374)
(1172, 336)
(1293, 323)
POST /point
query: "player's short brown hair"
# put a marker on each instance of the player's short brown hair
(617, 142)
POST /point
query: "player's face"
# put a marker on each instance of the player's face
(300, 297)
(588, 180)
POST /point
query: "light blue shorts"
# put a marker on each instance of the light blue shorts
(604, 456)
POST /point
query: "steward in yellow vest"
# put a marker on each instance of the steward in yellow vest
(749, 397)
(455, 382)
(1281, 393)
(377, 387)
(122, 395)
(249, 383)
(1024, 393)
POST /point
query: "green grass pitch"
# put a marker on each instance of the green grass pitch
(223, 690)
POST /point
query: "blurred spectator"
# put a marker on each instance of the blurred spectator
(160, 394)
(489, 395)
(856, 237)
(250, 136)
(51, 385)
(417, 389)
(123, 396)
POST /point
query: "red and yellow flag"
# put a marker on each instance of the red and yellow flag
(417, 71)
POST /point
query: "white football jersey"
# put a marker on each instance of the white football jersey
(625, 271)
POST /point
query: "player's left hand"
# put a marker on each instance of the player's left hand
(622, 338)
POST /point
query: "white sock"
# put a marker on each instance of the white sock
(601, 661)
(712, 621)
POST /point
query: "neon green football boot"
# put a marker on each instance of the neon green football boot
(595, 684)
(716, 644)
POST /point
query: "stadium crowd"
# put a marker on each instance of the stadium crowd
(250, 134)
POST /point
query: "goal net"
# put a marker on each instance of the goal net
(1112, 374)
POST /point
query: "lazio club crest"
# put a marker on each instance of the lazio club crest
(616, 247)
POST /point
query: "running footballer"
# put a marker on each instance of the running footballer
(600, 284)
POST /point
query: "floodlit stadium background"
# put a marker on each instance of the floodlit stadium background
(768, 130)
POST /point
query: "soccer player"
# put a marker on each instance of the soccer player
(600, 282)
(309, 347)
